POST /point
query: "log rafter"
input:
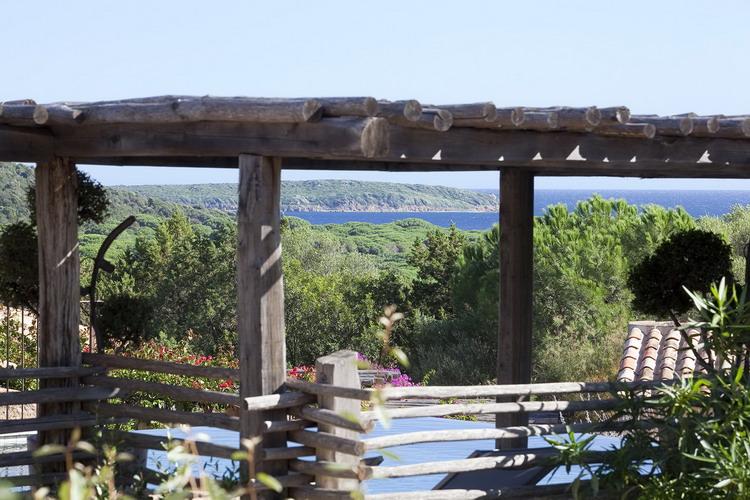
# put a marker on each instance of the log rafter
(365, 134)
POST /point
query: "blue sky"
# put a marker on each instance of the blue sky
(653, 56)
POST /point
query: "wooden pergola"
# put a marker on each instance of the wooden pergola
(263, 136)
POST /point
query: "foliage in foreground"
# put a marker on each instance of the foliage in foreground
(697, 443)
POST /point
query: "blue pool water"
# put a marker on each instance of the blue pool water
(411, 454)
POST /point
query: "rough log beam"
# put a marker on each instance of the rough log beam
(260, 310)
(48, 372)
(187, 109)
(59, 283)
(516, 278)
(329, 138)
(337, 143)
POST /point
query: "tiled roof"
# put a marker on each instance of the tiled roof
(656, 350)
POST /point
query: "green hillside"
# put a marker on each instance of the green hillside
(329, 196)
(209, 206)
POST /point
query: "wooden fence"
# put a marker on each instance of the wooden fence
(339, 466)
(326, 420)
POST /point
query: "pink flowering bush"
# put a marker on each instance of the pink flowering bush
(398, 378)
(180, 352)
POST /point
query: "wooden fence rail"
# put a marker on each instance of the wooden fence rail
(333, 405)
(48, 372)
(168, 416)
(476, 391)
(494, 408)
(58, 395)
(175, 392)
(341, 477)
(127, 363)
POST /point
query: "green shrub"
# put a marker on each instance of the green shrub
(693, 259)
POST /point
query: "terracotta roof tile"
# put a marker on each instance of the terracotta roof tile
(655, 350)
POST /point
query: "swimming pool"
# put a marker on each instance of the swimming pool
(410, 454)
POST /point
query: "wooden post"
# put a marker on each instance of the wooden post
(516, 281)
(260, 306)
(340, 369)
(59, 280)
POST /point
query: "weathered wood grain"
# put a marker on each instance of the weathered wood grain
(349, 106)
(327, 441)
(278, 401)
(410, 109)
(331, 137)
(329, 390)
(260, 306)
(510, 461)
(515, 306)
(59, 290)
(51, 422)
(674, 125)
(49, 372)
(339, 369)
(496, 408)
(286, 425)
(476, 434)
(182, 109)
(53, 395)
(288, 453)
(334, 419)
(17, 114)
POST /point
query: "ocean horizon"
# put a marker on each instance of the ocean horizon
(697, 203)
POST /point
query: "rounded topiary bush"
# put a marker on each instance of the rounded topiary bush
(693, 259)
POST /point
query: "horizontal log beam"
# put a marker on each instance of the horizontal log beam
(278, 401)
(175, 392)
(58, 395)
(288, 453)
(328, 441)
(127, 363)
(270, 426)
(479, 434)
(330, 417)
(167, 416)
(497, 408)
(150, 442)
(324, 468)
(26, 144)
(54, 422)
(171, 109)
(48, 372)
(408, 148)
(540, 456)
(329, 138)
(441, 392)
(329, 390)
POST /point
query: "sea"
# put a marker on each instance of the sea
(697, 203)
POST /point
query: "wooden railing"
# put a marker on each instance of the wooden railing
(325, 419)
(340, 467)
